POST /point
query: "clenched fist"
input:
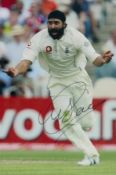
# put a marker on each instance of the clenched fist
(12, 72)
(107, 56)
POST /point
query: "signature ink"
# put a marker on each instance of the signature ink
(66, 114)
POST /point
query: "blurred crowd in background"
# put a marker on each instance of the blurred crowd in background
(21, 19)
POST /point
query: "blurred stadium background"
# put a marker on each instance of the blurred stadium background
(30, 140)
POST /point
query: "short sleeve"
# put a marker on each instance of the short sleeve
(32, 49)
(86, 48)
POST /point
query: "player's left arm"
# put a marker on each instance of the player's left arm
(90, 53)
(103, 59)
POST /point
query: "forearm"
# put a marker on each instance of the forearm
(20, 68)
(99, 61)
(23, 66)
(103, 59)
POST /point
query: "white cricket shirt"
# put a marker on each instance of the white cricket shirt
(63, 57)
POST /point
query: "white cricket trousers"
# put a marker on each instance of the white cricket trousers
(72, 99)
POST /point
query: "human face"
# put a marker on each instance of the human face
(56, 28)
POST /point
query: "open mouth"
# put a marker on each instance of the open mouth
(54, 33)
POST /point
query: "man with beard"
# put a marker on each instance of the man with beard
(64, 52)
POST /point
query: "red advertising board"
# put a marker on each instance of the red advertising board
(29, 123)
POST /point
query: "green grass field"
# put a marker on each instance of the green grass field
(53, 163)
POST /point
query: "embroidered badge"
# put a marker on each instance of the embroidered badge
(29, 45)
(48, 49)
(66, 50)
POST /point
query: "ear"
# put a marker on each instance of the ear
(65, 25)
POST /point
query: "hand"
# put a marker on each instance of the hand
(12, 72)
(107, 56)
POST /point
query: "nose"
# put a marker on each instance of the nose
(52, 25)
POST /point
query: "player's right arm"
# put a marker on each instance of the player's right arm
(20, 68)
(29, 55)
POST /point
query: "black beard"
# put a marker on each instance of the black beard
(60, 33)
